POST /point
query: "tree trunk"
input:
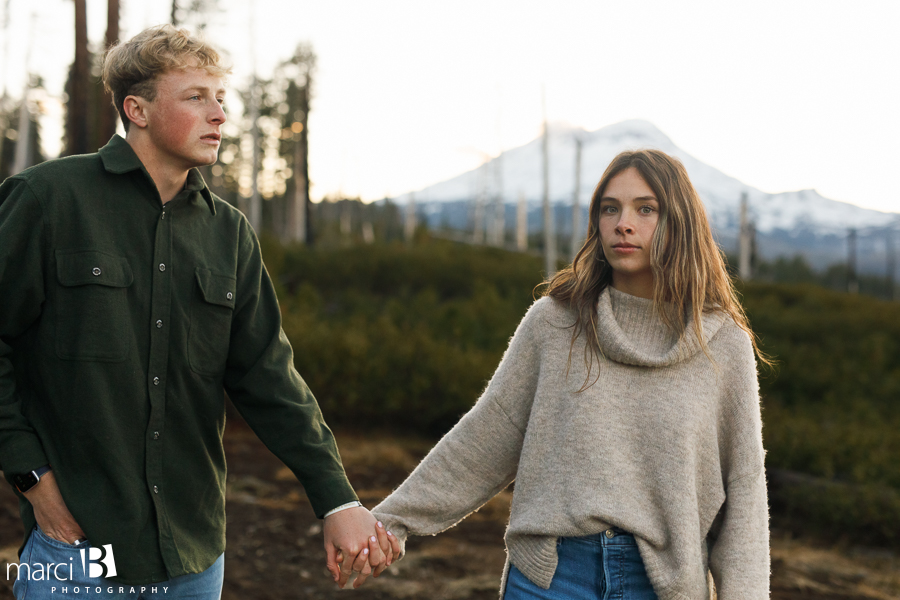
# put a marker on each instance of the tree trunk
(76, 108)
(304, 161)
(108, 112)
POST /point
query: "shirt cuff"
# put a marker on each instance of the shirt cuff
(353, 504)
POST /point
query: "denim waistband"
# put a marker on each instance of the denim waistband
(610, 537)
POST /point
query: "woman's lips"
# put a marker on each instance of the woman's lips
(625, 249)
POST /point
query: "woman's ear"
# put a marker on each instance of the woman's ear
(135, 109)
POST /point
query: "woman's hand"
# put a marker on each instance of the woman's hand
(347, 538)
(383, 541)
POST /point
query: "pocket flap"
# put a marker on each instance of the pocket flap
(216, 289)
(84, 267)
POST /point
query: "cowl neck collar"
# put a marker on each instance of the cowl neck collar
(631, 332)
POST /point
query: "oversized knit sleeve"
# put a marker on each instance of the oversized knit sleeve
(739, 539)
(478, 458)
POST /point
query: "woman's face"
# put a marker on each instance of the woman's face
(629, 212)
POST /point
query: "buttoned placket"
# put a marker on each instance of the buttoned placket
(160, 307)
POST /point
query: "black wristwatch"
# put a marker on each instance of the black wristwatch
(26, 481)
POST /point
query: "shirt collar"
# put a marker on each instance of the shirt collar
(119, 157)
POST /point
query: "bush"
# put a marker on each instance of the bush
(406, 338)
(388, 335)
(832, 408)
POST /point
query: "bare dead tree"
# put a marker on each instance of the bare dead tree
(108, 115)
(77, 89)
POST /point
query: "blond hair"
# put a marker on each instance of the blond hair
(688, 267)
(131, 68)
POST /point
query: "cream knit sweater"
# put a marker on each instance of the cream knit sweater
(666, 445)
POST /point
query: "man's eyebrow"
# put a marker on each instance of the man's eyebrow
(202, 88)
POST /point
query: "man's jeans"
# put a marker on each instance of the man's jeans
(68, 580)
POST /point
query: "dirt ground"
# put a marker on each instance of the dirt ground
(275, 541)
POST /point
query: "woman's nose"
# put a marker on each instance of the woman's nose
(624, 225)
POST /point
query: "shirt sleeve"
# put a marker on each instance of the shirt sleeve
(739, 538)
(270, 394)
(479, 457)
(22, 247)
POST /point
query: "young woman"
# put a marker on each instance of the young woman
(627, 411)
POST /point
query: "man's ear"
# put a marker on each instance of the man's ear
(135, 110)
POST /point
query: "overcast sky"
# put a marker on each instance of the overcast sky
(783, 95)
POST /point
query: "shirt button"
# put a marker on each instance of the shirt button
(155, 490)
(156, 381)
(163, 215)
(610, 533)
(155, 435)
(96, 271)
(159, 324)
(229, 295)
(162, 267)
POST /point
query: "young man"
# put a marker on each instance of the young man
(130, 298)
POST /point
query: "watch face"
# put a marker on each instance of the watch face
(24, 481)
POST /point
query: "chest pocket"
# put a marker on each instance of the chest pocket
(92, 313)
(210, 330)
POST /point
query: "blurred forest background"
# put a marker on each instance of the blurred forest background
(405, 336)
(396, 327)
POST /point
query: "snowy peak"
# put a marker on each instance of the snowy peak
(519, 171)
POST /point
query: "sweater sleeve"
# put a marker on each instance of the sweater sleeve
(739, 537)
(478, 458)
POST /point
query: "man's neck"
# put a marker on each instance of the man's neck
(169, 179)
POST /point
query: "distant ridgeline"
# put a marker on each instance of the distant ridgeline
(800, 222)
(406, 337)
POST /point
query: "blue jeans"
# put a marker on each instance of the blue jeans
(595, 567)
(65, 577)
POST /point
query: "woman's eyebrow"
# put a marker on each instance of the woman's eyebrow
(612, 199)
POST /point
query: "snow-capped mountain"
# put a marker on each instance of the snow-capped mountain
(798, 222)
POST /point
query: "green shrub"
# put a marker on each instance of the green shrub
(407, 338)
(388, 335)
(832, 408)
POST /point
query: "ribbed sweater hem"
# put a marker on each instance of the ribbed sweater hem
(535, 556)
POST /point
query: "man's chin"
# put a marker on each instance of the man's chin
(205, 161)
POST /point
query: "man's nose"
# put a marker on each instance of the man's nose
(218, 114)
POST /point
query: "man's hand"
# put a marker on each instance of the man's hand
(51, 513)
(348, 532)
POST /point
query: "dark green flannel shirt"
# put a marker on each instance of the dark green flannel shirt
(122, 323)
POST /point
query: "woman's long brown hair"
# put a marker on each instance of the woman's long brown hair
(688, 267)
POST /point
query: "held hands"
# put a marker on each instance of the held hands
(351, 547)
(51, 513)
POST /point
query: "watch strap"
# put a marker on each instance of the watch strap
(26, 481)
